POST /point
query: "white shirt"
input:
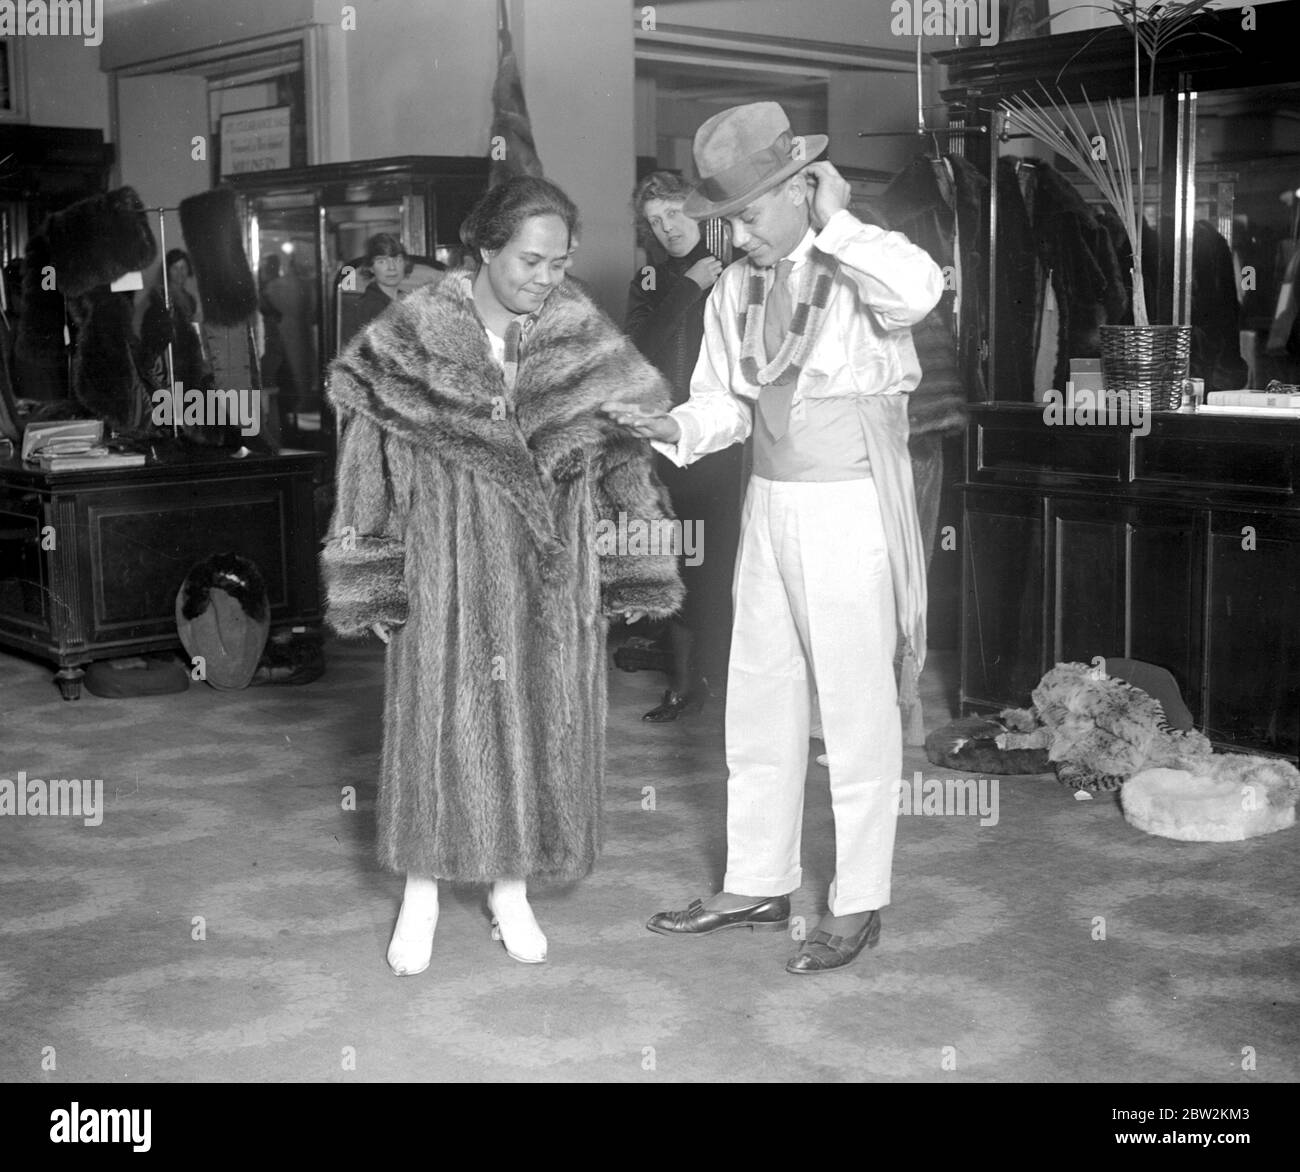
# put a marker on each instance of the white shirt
(885, 284)
(497, 345)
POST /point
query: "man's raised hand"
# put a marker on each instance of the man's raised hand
(830, 192)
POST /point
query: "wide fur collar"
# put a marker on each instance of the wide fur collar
(423, 371)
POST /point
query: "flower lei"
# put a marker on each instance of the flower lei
(811, 299)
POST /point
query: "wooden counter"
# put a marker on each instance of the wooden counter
(1180, 547)
(90, 562)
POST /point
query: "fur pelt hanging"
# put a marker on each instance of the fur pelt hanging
(938, 404)
(105, 377)
(97, 240)
(43, 320)
(214, 237)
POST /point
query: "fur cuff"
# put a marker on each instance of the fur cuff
(649, 583)
(365, 583)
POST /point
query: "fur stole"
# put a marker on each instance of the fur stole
(423, 372)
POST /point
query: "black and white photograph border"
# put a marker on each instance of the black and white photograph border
(529, 526)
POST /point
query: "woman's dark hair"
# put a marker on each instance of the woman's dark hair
(175, 254)
(493, 221)
(384, 244)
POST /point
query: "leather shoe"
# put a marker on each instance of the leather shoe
(767, 915)
(822, 952)
(675, 704)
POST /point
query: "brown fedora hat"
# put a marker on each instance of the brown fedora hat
(744, 152)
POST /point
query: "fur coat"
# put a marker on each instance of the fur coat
(468, 518)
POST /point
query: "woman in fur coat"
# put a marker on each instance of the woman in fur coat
(480, 491)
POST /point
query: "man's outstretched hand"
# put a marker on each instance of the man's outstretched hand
(651, 425)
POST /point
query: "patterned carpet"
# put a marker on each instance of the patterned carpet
(227, 921)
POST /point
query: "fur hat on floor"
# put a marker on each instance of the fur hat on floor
(95, 241)
(215, 238)
(222, 614)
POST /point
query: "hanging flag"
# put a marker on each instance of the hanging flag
(513, 151)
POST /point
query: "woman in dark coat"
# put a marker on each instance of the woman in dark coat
(478, 488)
(179, 327)
(665, 318)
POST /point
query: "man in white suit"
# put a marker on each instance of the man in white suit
(807, 346)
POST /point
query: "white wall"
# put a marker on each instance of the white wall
(859, 22)
(419, 76)
(148, 30)
(64, 84)
(576, 58)
(160, 114)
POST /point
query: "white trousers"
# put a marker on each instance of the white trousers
(813, 602)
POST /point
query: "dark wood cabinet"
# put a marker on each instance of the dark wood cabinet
(90, 562)
(1002, 619)
(1180, 548)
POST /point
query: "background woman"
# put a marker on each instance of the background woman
(475, 470)
(665, 318)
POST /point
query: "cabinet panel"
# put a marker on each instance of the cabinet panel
(1002, 644)
(126, 539)
(1166, 581)
(143, 549)
(1253, 652)
(1088, 580)
(24, 593)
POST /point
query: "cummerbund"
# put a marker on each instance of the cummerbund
(825, 442)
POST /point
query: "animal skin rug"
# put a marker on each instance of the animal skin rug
(1098, 731)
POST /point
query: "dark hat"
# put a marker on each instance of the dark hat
(743, 152)
(222, 614)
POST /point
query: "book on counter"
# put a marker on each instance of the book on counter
(1256, 399)
(72, 446)
(76, 462)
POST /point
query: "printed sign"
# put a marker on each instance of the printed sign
(255, 140)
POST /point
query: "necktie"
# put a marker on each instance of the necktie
(774, 401)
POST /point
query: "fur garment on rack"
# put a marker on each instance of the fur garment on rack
(215, 239)
(105, 375)
(95, 241)
(40, 337)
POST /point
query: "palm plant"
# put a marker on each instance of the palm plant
(1116, 165)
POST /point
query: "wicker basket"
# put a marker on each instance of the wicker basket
(1146, 365)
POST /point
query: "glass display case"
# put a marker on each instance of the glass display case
(307, 229)
(1173, 539)
(1223, 166)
